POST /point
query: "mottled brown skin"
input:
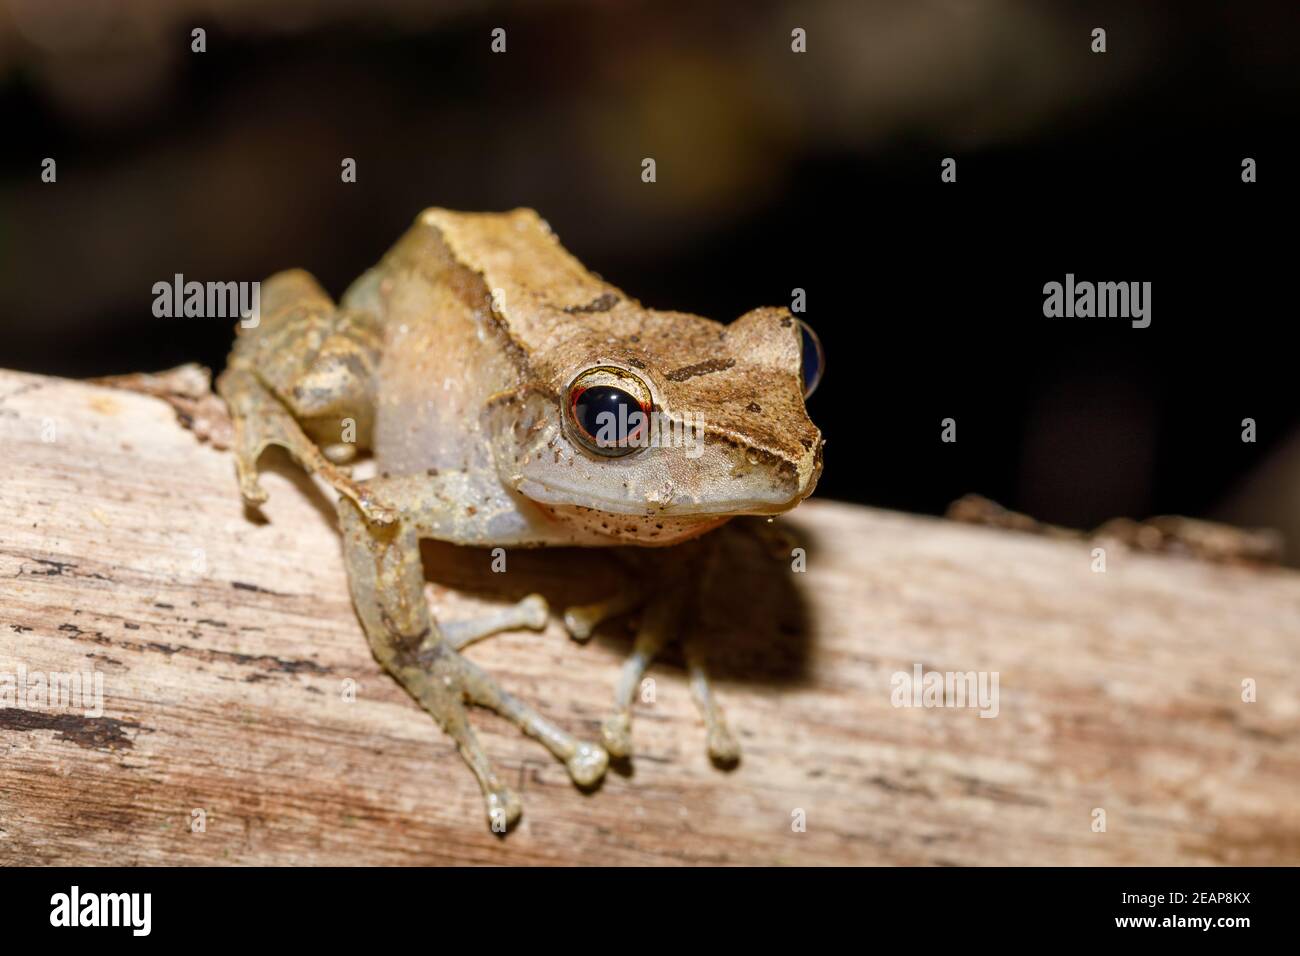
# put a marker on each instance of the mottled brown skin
(450, 362)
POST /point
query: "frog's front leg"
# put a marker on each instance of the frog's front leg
(723, 747)
(658, 622)
(668, 609)
(531, 612)
(387, 582)
(581, 620)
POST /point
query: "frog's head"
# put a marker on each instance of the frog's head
(655, 426)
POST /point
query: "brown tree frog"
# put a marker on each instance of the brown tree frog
(511, 398)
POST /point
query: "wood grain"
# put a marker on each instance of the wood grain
(225, 642)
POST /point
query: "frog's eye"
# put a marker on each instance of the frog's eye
(609, 410)
(814, 359)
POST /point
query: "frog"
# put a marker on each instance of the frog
(505, 395)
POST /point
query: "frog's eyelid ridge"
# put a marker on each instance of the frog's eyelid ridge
(642, 391)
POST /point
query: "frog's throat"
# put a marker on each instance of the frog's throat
(593, 526)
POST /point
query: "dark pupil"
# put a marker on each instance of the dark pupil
(598, 402)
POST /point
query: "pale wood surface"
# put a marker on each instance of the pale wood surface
(224, 645)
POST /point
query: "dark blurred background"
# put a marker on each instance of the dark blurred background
(776, 170)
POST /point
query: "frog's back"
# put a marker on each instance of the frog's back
(468, 304)
(552, 307)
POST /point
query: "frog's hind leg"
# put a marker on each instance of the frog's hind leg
(387, 581)
(585, 762)
(261, 421)
(302, 361)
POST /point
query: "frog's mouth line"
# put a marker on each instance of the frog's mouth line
(546, 495)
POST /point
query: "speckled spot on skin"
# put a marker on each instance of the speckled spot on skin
(700, 368)
(602, 303)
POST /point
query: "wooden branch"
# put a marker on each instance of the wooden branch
(225, 644)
